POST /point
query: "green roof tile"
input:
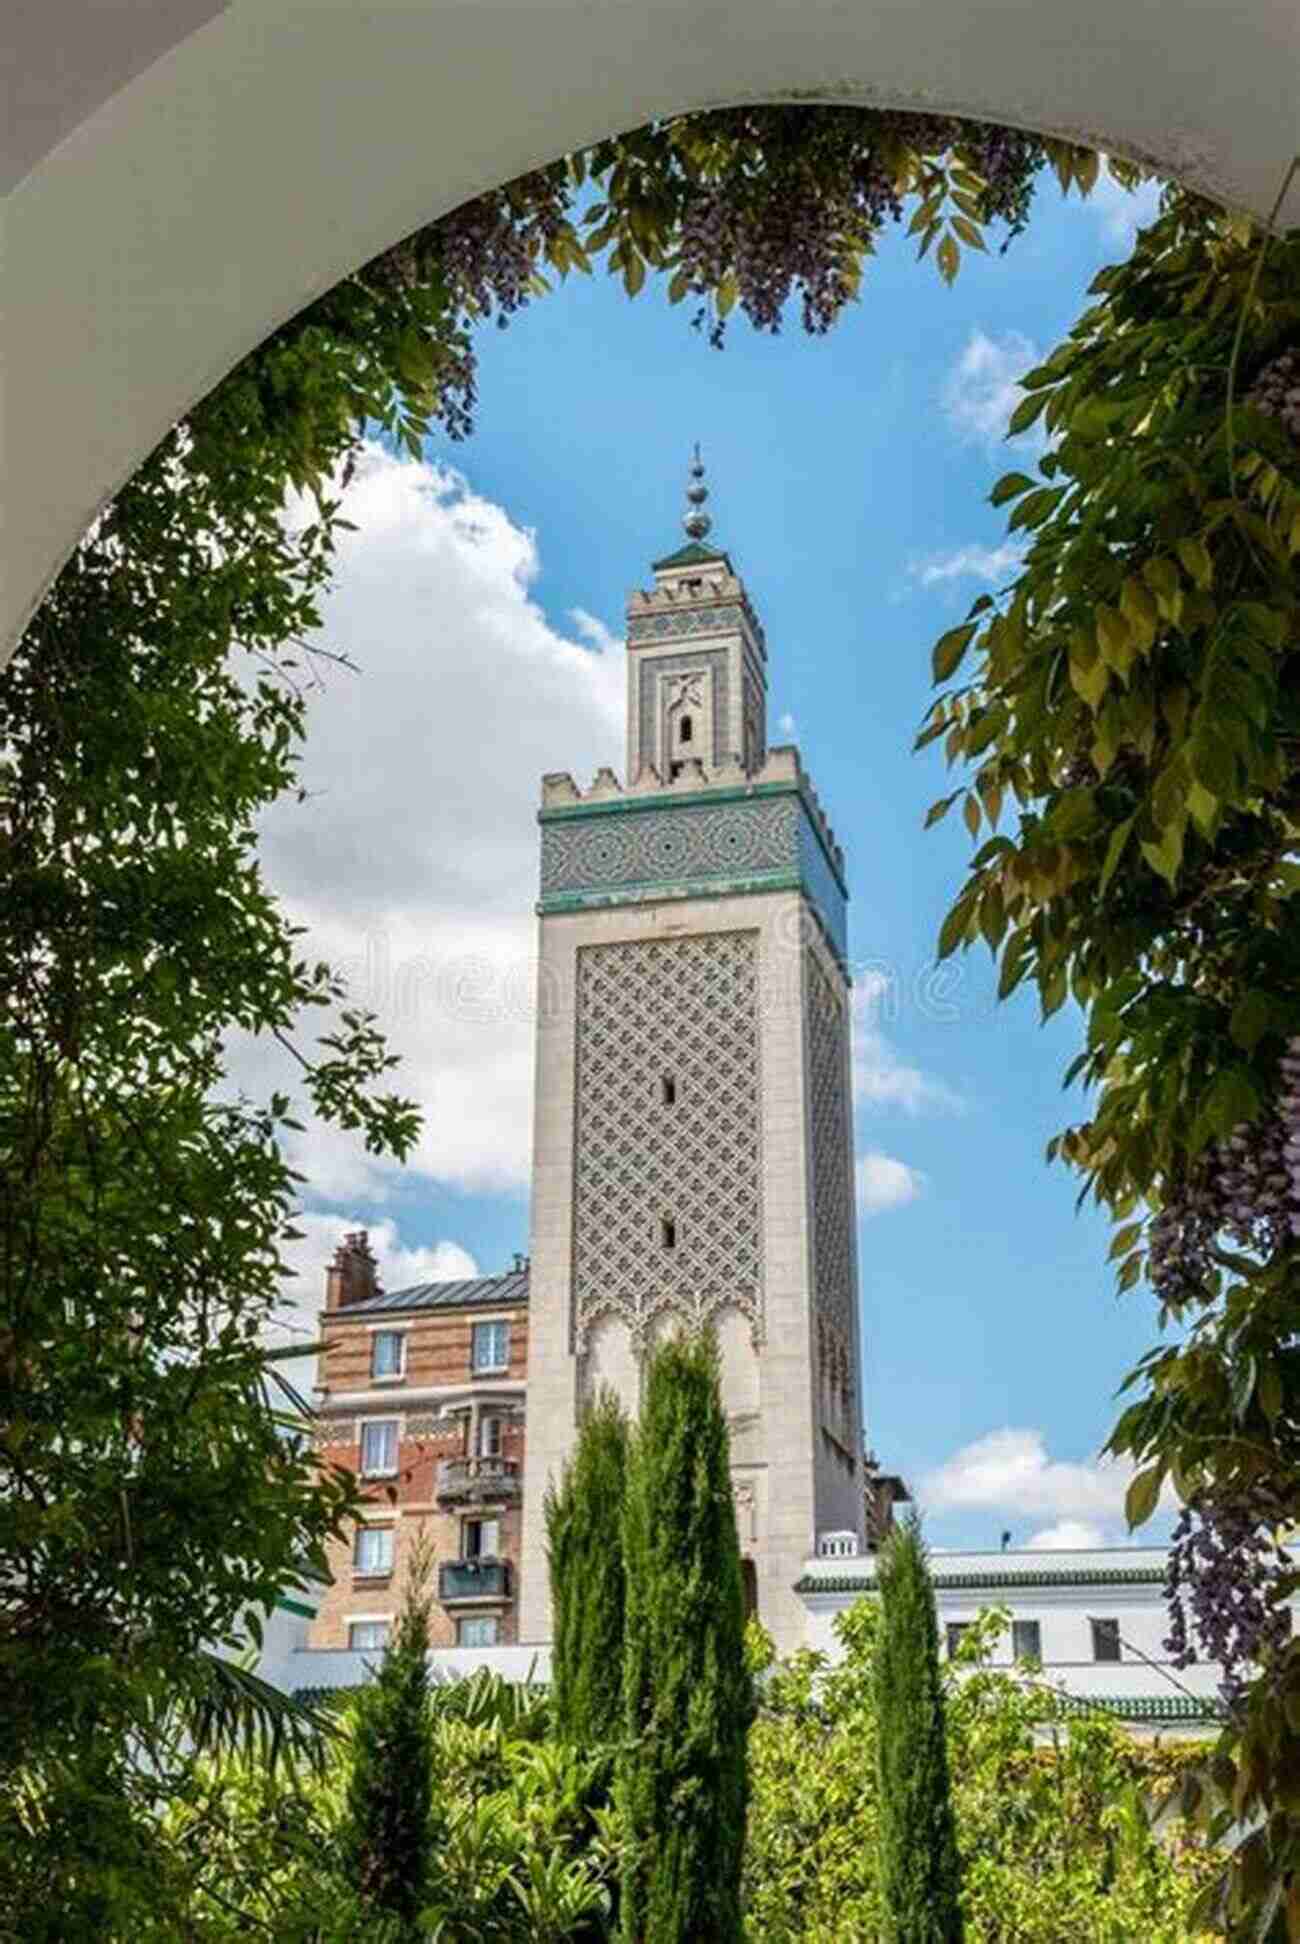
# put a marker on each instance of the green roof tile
(994, 1582)
(691, 555)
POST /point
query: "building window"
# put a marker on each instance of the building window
(388, 1353)
(1105, 1640)
(1026, 1640)
(373, 1551)
(379, 1448)
(489, 1437)
(480, 1539)
(668, 1232)
(954, 1631)
(491, 1346)
(478, 1630)
(372, 1634)
(688, 729)
(669, 1090)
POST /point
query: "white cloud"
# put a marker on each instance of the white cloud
(983, 389)
(398, 1267)
(881, 1076)
(1010, 1471)
(884, 1182)
(1121, 213)
(1068, 1535)
(413, 862)
(991, 564)
(788, 726)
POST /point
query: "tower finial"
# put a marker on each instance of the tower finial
(696, 521)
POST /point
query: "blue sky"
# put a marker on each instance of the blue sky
(849, 478)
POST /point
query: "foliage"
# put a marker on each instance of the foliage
(155, 1490)
(524, 1848)
(681, 1785)
(584, 1524)
(919, 1880)
(752, 207)
(1137, 692)
(386, 1833)
(1053, 1810)
(1053, 1806)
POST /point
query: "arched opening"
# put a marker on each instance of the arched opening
(671, 1241)
(442, 103)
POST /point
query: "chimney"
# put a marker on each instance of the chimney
(351, 1276)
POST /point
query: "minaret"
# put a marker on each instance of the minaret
(692, 1155)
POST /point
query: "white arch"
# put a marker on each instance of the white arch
(275, 145)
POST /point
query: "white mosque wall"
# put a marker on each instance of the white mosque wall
(1081, 1586)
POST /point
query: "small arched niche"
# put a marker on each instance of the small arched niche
(738, 1363)
(611, 1362)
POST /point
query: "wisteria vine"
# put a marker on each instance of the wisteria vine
(1224, 1583)
(767, 204)
(1245, 1189)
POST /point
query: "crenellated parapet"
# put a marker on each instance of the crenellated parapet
(781, 767)
(695, 599)
(710, 831)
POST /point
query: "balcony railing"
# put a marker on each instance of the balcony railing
(473, 1579)
(473, 1481)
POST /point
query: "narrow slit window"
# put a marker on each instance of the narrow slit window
(669, 1086)
(669, 1232)
(688, 729)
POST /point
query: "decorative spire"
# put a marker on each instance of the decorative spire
(696, 521)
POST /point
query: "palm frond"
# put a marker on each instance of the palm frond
(227, 1709)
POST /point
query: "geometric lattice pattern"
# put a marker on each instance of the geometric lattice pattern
(659, 627)
(667, 1164)
(648, 846)
(832, 1150)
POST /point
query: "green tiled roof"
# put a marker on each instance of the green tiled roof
(994, 1582)
(1146, 1707)
(691, 555)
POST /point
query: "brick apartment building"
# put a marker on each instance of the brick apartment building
(421, 1392)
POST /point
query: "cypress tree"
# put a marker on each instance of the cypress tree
(584, 1529)
(687, 1698)
(920, 1877)
(385, 1835)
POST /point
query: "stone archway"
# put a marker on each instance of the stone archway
(188, 191)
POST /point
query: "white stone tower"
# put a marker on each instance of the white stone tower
(693, 1140)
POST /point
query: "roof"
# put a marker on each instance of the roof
(1147, 1707)
(977, 1582)
(691, 555)
(1124, 1707)
(475, 1292)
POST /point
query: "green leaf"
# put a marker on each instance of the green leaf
(956, 924)
(1123, 1239)
(1114, 851)
(1142, 1495)
(950, 648)
(940, 809)
(1008, 486)
(1026, 412)
(1195, 556)
(1229, 1100)
(1252, 1017)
